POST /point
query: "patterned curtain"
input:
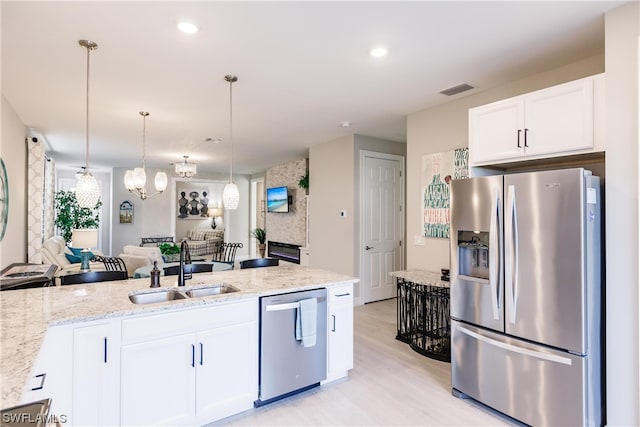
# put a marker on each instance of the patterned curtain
(35, 199)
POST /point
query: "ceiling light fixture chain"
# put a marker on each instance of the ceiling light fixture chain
(231, 195)
(136, 179)
(87, 189)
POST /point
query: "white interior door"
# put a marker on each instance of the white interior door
(382, 218)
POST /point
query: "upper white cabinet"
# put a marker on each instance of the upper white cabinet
(556, 121)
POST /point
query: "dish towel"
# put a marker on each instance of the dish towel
(306, 324)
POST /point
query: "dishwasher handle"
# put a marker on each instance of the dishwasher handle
(280, 307)
(288, 305)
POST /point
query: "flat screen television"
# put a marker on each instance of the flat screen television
(277, 199)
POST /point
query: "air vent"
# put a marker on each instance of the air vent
(456, 89)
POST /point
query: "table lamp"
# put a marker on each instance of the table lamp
(214, 213)
(86, 239)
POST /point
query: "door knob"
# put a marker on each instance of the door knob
(366, 248)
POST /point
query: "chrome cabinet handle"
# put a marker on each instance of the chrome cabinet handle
(105, 349)
(201, 353)
(333, 318)
(193, 355)
(519, 132)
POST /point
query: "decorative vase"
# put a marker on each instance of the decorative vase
(261, 249)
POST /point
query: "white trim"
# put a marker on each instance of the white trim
(385, 156)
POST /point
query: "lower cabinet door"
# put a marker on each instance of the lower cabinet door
(96, 376)
(227, 371)
(158, 381)
(340, 328)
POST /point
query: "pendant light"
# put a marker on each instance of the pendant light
(185, 169)
(231, 195)
(87, 188)
(136, 179)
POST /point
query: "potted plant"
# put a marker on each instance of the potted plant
(170, 251)
(70, 216)
(304, 182)
(261, 236)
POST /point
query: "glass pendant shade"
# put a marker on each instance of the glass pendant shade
(128, 180)
(139, 177)
(87, 191)
(231, 196)
(161, 181)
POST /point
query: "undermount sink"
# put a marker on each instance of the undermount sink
(158, 296)
(174, 294)
(211, 290)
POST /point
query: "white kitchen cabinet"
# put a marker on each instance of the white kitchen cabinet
(50, 375)
(158, 381)
(96, 374)
(226, 371)
(172, 377)
(559, 120)
(340, 331)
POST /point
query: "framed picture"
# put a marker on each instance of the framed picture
(193, 203)
(126, 212)
(437, 172)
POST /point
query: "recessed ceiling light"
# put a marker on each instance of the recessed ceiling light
(378, 52)
(187, 27)
(345, 124)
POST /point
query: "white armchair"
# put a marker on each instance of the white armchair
(53, 252)
(135, 257)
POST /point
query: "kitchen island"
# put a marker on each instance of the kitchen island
(28, 314)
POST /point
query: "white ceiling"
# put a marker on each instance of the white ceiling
(303, 67)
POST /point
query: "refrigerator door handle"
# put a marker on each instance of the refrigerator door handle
(517, 349)
(511, 254)
(495, 255)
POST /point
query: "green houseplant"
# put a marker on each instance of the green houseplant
(261, 236)
(69, 215)
(304, 181)
(170, 251)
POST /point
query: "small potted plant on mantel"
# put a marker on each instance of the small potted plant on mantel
(261, 236)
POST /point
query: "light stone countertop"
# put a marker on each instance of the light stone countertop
(422, 277)
(25, 315)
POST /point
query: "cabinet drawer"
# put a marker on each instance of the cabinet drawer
(188, 320)
(341, 294)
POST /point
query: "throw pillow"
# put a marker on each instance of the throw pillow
(76, 255)
(73, 259)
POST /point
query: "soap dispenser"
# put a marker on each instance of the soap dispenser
(155, 275)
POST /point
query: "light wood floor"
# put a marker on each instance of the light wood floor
(390, 385)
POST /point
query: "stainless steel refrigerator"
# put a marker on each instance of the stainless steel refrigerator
(525, 295)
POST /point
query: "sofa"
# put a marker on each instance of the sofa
(135, 257)
(204, 241)
(54, 251)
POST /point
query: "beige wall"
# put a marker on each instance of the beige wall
(13, 247)
(331, 189)
(334, 176)
(445, 128)
(622, 44)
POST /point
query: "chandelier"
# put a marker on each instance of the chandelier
(87, 188)
(136, 179)
(230, 194)
(186, 169)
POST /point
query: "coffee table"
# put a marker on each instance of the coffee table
(146, 270)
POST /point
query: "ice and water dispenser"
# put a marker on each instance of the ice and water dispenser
(473, 253)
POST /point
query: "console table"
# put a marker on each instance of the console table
(423, 313)
(156, 240)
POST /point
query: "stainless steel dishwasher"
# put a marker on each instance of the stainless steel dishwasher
(286, 365)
